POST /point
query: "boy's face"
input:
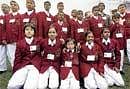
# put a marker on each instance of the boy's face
(29, 32)
(95, 11)
(122, 9)
(52, 33)
(61, 16)
(5, 8)
(70, 45)
(60, 7)
(80, 15)
(74, 13)
(106, 34)
(14, 6)
(47, 6)
(101, 7)
(90, 38)
(30, 5)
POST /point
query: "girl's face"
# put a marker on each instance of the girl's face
(90, 38)
(106, 34)
(116, 20)
(29, 32)
(70, 45)
(52, 33)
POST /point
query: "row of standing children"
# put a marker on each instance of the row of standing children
(44, 63)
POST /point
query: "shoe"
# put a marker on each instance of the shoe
(122, 72)
(1, 72)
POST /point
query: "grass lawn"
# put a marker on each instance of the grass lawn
(6, 76)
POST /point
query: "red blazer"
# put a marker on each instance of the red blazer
(67, 18)
(2, 28)
(86, 65)
(44, 22)
(95, 26)
(76, 34)
(116, 29)
(127, 29)
(25, 18)
(61, 32)
(72, 24)
(13, 28)
(73, 57)
(24, 56)
(112, 47)
(48, 49)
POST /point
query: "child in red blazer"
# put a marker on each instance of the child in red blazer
(118, 32)
(69, 71)
(111, 57)
(50, 64)
(27, 61)
(91, 64)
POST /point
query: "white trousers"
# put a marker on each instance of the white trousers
(94, 80)
(112, 77)
(122, 60)
(27, 77)
(128, 48)
(70, 82)
(49, 76)
(7, 51)
(3, 65)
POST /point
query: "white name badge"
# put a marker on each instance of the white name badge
(11, 20)
(26, 20)
(1, 21)
(91, 58)
(64, 29)
(119, 35)
(50, 56)
(104, 18)
(48, 19)
(68, 63)
(100, 25)
(107, 55)
(80, 30)
(33, 48)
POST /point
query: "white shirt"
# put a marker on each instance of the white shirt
(106, 41)
(14, 13)
(72, 50)
(60, 22)
(47, 13)
(90, 45)
(30, 12)
(80, 22)
(96, 17)
(29, 40)
(52, 43)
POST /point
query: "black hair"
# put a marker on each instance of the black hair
(68, 40)
(121, 5)
(88, 32)
(30, 25)
(116, 15)
(94, 8)
(47, 2)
